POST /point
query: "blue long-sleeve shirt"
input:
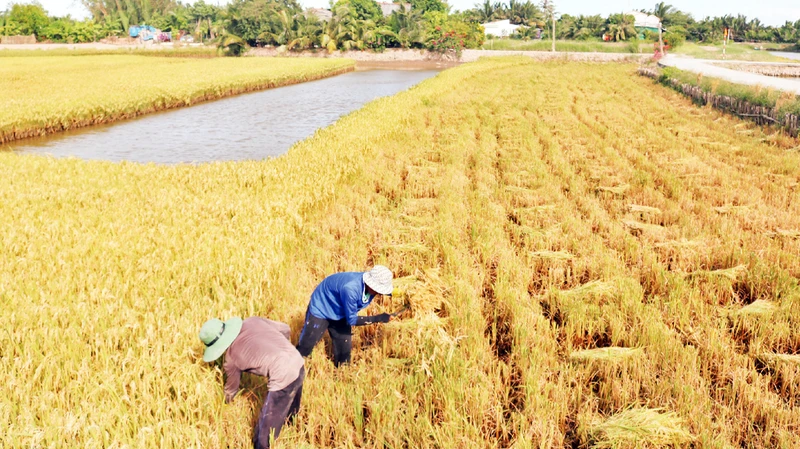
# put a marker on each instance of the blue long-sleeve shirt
(339, 296)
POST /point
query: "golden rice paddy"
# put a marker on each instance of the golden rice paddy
(546, 311)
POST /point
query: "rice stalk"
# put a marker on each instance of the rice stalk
(595, 288)
(552, 255)
(616, 190)
(772, 358)
(723, 210)
(640, 427)
(644, 209)
(637, 227)
(758, 307)
(609, 354)
(732, 273)
(682, 243)
(784, 233)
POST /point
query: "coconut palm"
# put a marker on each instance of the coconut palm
(341, 31)
(524, 13)
(488, 11)
(309, 32)
(406, 26)
(232, 45)
(620, 27)
(664, 12)
(281, 34)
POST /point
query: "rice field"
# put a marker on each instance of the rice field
(44, 94)
(591, 262)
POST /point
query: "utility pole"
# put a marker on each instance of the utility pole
(725, 41)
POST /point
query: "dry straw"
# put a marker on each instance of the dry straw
(723, 210)
(732, 273)
(637, 227)
(759, 307)
(593, 288)
(640, 428)
(609, 354)
(773, 358)
(682, 243)
(424, 291)
(643, 209)
(552, 255)
(784, 233)
(616, 190)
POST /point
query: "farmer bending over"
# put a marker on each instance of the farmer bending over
(335, 304)
(259, 346)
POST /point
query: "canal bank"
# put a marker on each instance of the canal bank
(396, 55)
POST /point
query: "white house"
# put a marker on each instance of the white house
(644, 20)
(499, 28)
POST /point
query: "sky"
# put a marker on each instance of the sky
(771, 12)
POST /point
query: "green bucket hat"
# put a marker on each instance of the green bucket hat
(218, 336)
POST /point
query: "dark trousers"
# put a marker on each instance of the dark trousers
(341, 335)
(278, 407)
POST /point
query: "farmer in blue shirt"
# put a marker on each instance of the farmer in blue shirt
(334, 306)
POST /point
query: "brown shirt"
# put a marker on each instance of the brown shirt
(262, 347)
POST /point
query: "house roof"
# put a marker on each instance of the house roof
(644, 20)
(321, 13)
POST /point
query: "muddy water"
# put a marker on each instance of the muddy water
(246, 127)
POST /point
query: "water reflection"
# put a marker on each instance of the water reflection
(246, 127)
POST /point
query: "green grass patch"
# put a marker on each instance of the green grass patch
(733, 51)
(175, 52)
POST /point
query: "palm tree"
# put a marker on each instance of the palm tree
(488, 11)
(739, 27)
(309, 32)
(583, 28)
(664, 11)
(526, 13)
(341, 31)
(232, 45)
(620, 27)
(406, 27)
(755, 28)
(127, 12)
(283, 33)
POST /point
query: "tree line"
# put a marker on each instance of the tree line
(361, 25)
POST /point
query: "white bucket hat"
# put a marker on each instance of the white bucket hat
(379, 278)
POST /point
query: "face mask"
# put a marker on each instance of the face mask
(367, 298)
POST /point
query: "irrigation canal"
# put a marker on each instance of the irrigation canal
(251, 126)
(786, 54)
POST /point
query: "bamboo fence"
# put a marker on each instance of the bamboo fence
(760, 114)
